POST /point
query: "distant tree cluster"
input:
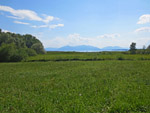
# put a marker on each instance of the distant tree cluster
(16, 47)
(133, 49)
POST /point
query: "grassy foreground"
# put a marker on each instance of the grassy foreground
(75, 87)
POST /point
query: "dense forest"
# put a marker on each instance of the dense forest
(17, 47)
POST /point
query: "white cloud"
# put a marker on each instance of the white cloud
(48, 19)
(48, 26)
(74, 35)
(40, 26)
(30, 15)
(57, 25)
(34, 26)
(18, 22)
(142, 29)
(43, 26)
(144, 19)
(26, 14)
(21, 14)
(109, 36)
(5, 31)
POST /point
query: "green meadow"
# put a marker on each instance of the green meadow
(88, 56)
(62, 82)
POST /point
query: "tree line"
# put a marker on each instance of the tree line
(144, 50)
(16, 47)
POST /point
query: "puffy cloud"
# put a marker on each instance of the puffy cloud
(144, 19)
(19, 22)
(142, 29)
(21, 14)
(48, 19)
(30, 15)
(26, 14)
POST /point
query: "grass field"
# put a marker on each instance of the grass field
(88, 56)
(106, 86)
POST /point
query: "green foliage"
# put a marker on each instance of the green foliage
(9, 53)
(75, 87)
(38, 47)
(31, 52)
(148, 47)
(16, 47)
(6, 52)
(120, 58)
(143, 51)
(19, 55)
(133, 48)
(30, 40)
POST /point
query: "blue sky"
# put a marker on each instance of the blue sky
(97, 23)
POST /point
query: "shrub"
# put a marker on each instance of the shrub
(19, 55)
(9, 53)
(120, 58)
(31, 52)
(16, 47)
(6, 52)
(38, 47)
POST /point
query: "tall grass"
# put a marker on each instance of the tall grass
(75, 87)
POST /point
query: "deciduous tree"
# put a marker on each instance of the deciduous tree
(133, 48)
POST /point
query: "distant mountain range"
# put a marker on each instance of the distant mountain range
(86, 48)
